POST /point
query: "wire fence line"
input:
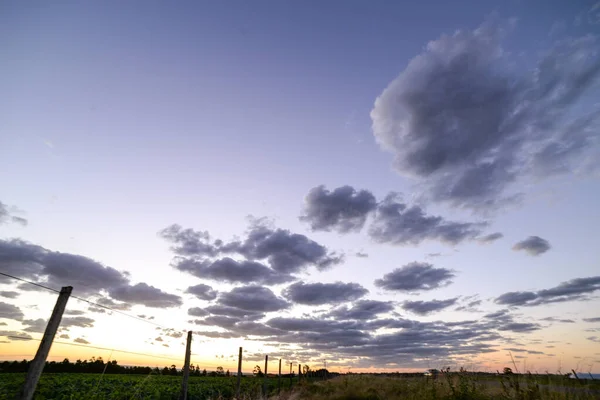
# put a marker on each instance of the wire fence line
(66, 293)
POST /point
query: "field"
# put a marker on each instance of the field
(115, 387)
(353, 387)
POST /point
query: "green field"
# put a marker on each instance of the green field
(64, 386)
(353, 387)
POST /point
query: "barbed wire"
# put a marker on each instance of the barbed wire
(94, 303)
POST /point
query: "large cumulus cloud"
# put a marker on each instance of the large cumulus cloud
(463, 123)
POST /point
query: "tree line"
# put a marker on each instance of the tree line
(97, 366)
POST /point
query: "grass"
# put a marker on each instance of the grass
(457, 386)
(453, 386)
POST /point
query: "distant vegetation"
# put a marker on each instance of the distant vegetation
(85, 380)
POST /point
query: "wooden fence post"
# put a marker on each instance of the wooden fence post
(37, 364)
(279, 377)
(265, 377)
(239, 377)
(291, 363)
(186, 367)
(299, 372)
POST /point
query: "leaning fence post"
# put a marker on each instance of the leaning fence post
(265, 377)
(186, 367)
(239, 377)
(279, 377)
(37, 365)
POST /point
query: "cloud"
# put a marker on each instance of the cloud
(81, 341)
(9, 294)
(595, 319)
(323, 293)
(492, 237)
(361, 254)
(232, 271)
(416, 276)
(534, 245)
(203, 292)
(74, 312)
(421, 307)
(64, 336)
(575, 289)
(467, 126)
(158, 339)
(34, 325)
(14, 335)
(519, 327)
(397, 223)
(285, 252)
(253, 298)
(343, 209)
(10, 311)
(7, 216)
(218, 309)
(361, 310)
(146, 295)
(561, 320)
(188, 242)
(87, 276)
(113, 304)
(197, 312)
(82, 322)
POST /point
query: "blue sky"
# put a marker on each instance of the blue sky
(121, 120)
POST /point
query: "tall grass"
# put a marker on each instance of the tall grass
(448, 386)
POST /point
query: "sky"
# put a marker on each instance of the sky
(381, 185)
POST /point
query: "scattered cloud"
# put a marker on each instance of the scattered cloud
(361, 310)
(361, 254)
(64, 336)
(397, 223)
(415, 276)
(203, 292)
(467, 126)
(343, 209)
(422, 307)
(146, 295)
(197, 312)
(232, 271)
(575, 289)
(14, 335)
(81, 341)
(285, 252)
(595, 319)
(534, 245)
(519, 327)
(561, 320)
(34, 325)
(10, 311)
(9, 294)
(87, 276)
(492, 237)
(253, 298)
(323, 293)
(7, 216)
